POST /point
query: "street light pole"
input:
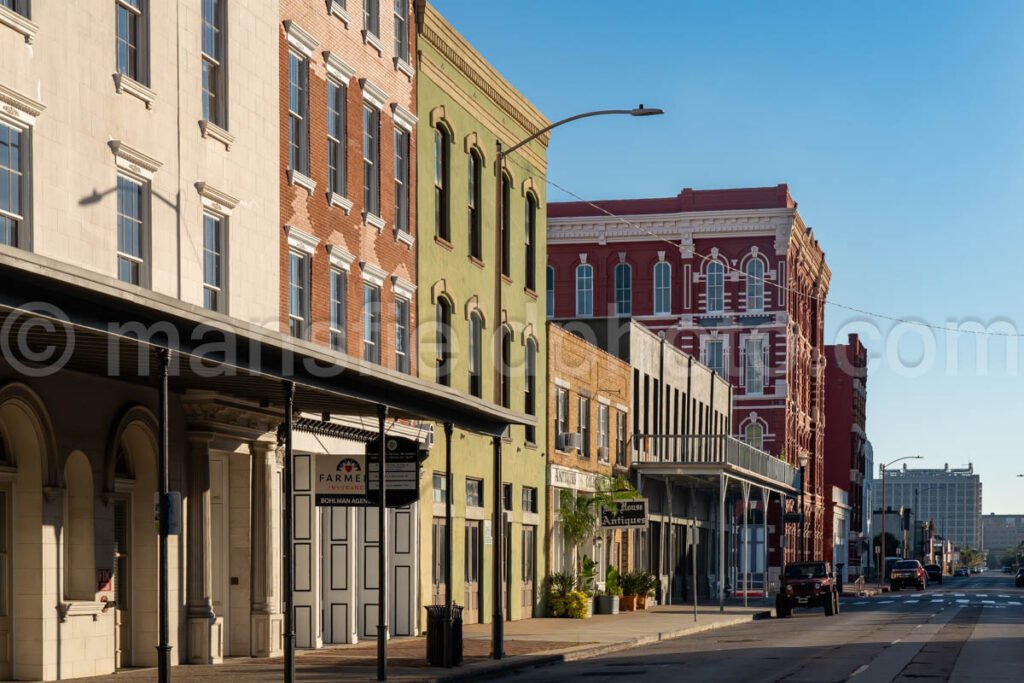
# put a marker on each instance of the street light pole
(881, 553)
(804, 459)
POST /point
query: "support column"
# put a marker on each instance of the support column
(745, 544)
(287, 547)
(694, 536)
(766, 496)
(267, 625)
(163, 647)
(382, 547)
(721, 543)
(668, 542)
(498, 616)
(205, 642)
(449, 487)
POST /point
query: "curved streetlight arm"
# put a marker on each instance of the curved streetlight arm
(639, 111)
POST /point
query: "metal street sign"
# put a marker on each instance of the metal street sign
(402, 483)
(628, 514)
(341, 480)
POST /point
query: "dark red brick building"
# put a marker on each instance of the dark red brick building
(733, 277)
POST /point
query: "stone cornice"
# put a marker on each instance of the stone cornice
(19, 102)
(227, 417)
(677, 227)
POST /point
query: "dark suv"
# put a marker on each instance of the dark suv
(807, 584)
(908, 573)
(934, 572)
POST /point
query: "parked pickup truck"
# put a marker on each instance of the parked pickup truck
(807, 584)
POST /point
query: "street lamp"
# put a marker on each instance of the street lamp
(881, 554)
(804, 459)
(498, 626)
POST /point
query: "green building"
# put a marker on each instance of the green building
(471, 336)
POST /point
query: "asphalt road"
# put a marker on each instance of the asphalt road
(967, 629)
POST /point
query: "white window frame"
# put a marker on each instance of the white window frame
(218, 114)
(140, 65)
(662, 290)
(583, 424)
(402, 334)
(750, 385)
(220, 289)
(584, 304)
(550, 293)
(403, 145)
(23, 224)
(371, 322)
(755, 286)
(603, 429)
(371, 161)
(705, 353)
(298, 116)
(714, 293)
(338, 314)
(19, 20)
(142, 218)
(754, 424)
(623, 304)
(402, 40)
(302, 245)
(337, 178)
(476, 326)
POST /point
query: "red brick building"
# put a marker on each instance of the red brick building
(733, 277)
(846, 378)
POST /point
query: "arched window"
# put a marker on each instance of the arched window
(530, 394)
(79, 542)
(474, 206)
(662, 288)
(754, 435)
(506, 225)
(476, 325)
(550, 293)
(441, 145)
(584, 290)
(531, 241)
(623, 289)
(506, 367)
(755, 285)
(443, 341)
(715, 288)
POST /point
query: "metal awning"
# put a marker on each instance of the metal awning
(57, 316)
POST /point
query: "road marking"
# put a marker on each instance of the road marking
(1002, 596)
(1014, 603)
(984, 602)
(964, 602)
(959, 595)
(910, 602)
(886, 602)
(898, 640)
(859, 670)
(939, 601)
(981, 595)
(862, 602)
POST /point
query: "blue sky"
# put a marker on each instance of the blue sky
(897, 126)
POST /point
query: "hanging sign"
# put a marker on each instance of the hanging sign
(402, 471)
(628, 514)
(341, 480)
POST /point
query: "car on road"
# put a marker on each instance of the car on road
(1019, 581)
(807, 584)
(961, 571)
(1007, 570)
(934, 572)
(908, 573)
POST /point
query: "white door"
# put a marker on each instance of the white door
(336, 529)
(219, 540)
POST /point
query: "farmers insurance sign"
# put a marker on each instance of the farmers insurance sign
(628, 514)
(341, 479)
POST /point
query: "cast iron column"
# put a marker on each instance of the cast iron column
(164, 647)
(498, 615)
(287, 550)
(382, 551)
(449, 488)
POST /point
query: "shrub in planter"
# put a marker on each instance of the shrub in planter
(578, 605)
(647, 584)
(561, 584)
(630, 585)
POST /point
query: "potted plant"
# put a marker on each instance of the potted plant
(647, 583)
(585, 582)
(560, 585)
(630, 586)
(608, 601)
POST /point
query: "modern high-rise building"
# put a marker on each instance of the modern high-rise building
(1002, 532)
(951, 497)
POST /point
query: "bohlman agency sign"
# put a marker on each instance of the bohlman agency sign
(341, 479)
(626, 514)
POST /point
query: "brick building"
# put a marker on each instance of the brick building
(733, 277)
(846, 377)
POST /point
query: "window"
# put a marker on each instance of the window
(443, 341)
(298, 295)
(530, 395)
(401, 180)
(602, 433)
(213, 264)
(371, 17)
(584, 290)
(214, 102)
(754, 435)
(561, 411)
(506, 497)
(755, 285)
(474, 207)
(506, 225)
(131, 232)
(19, 7)
(754, 368)
(474, 493)
(662, 288)
(402, 30)
(506, 367)
(475, 347)
(371, 323)
(715, 288)
(441, 145)
(440, 488)
(623, 289)
(339, 310)
(529, 499)
(337, 180)
(298, 108)
(371, 160)
(13, 188)
(583, 414)
(620, 438)
(401, 334)
(714, 356)
(131, 29)
(531, 241)
(550, 292)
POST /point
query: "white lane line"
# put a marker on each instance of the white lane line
(960, 595)
(998, 596)
(862, 602)
(898, 640)
(886, 602)
(939, 601)
(910, 602)
(984, 602)
(981, 595)
(1014, 603)
(963, 602)
(859, 670)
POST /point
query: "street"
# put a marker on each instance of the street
(967, 629)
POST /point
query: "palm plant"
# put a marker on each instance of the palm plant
(579, 514)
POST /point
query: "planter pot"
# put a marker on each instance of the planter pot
(608, 604)
(641, 602)
(627, 603)
(590, 608)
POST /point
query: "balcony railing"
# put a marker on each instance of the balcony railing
(691, 449)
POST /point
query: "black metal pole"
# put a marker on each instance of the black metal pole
(163, 649)
(449, 488)
(382, 553)
(289, 555)
(803, 529)
(498, 615)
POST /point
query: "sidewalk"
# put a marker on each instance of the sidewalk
(528, 643)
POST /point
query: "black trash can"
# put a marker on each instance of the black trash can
(435, 635)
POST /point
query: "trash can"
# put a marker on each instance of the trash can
(435, 635)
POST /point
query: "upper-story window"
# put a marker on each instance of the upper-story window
(754, 435)
(662, 288)
(13, 186)
(561, 411)
(371, 160)
(584, 290)
(550, 291)
(371, 323)
(623, 289)
(214, 298)
(506, 225)
(506, 367)
(715, 288)
(474, 208)
(339, 309)
(476, 325)
(132, 231)
(442, 341)
(583, 415)
(337, 159)
(18, 6)
(441, 145)
(402, 30)
(401, 334)
(754, 365)
(401, 180)
(214, 100)
(371, 17)
(298, 113)
(530, 393)
(714, 355)
(755, 285)
(603, 440)
(298, 295)
(131, 39)
(531, 241)
(620, 438)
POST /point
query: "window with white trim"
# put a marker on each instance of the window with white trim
(371, 323)
(714, 355)
(474, 208)
(132, 231)
(401, 180)
(402, 30)
(441, 224)
(583, 425)
(298, 113)
(131, 39)
(530, 394)
(475, 354)
(214, 73)
(754, 435)
(442, 341)
(298, 295)
(620, 438)
(584, 290)
(371, 160)
(214, 298)
(14, 185)
(531, 241)
(17, 6)
(755, 285)
(623, 289)
(561, 411)
(754, 377)
(662, 288)
(506, 367)
(506, 225)
(337, 178)
(371, 17)
(339, 310)
(602, 433)
(550, 293)
(401, 334)
(714, 288)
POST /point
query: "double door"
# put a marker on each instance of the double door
(473, 563)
